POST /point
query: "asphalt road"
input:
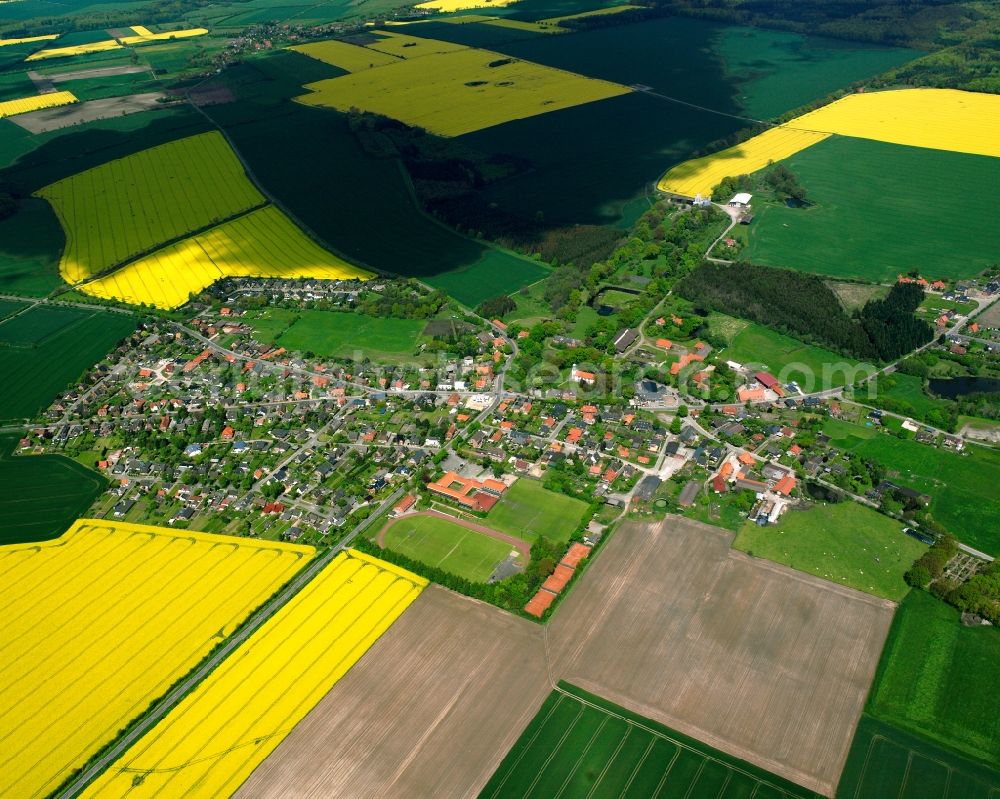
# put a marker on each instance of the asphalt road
(179, 691)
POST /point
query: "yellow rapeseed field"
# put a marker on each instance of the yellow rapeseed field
(264, 243)
(446, 6)
(940, 119)
(123, 208)
(701, 175)
(97, 624)
(76, 49)
(211, 742)
(9, 108)
(347, 56)
(459, 91)
(29, 39)
(143, 35)
(401, 45)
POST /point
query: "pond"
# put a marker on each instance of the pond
(960, 386)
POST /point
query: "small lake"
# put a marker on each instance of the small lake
(960, 386)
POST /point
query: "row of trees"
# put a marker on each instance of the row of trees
(803, 306)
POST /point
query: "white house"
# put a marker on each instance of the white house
(741, 200)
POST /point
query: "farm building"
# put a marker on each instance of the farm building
(741, 200)
(624, 339)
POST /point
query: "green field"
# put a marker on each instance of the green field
(528, 510)
(962, 485)
(579, 745)
(846, 543)
(888, 763)
(446, 545)
(43, 494)
(938, 679)
(68, 342)
(342, 335)
(8, 307)
(788, 359)
(907, 395)
(879, 210)
(496, 273)
(30, 243)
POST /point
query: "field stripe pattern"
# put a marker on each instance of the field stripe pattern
(263, 243)
(24, 105)
(121, 209)
(211, 742)
(97, 624)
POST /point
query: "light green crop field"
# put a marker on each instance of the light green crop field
(938, 679)
(881, 210)
(335, 334)
(962, 485)
(845, 543)
(446, 545)
(529, 511)
(119, 210)
(498, 272)
(787, 358)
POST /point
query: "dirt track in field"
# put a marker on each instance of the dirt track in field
(429, 711)
(758, 660)
(521, 546)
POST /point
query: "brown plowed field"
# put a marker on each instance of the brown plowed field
(758, 660)
(429, 711)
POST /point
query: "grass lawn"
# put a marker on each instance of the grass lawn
(908, 389)
(446, 545)
(43, 494)
(885, 761)
(962, 485)
(788, 359)
(854, 295)
(845, 543)
(938, 679)
(336, 334)
(36, 371)
(528, 510)
(531, 307)
(579, 744)
(872, 217)
(933, 305)
(498, 272)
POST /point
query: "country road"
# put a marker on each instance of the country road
(188, 683)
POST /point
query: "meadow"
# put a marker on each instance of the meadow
(212, 741)
(103, 620)
(579, 744)
(126, 207)
(788, 358)
(906, 395)
(886, 761)
(263, 243)
(871, 216)
(497, 272)
(446, 545)
(36, 372)
(962, 485)
(937, 678)
(30, 244)
(845, 543)
(529, 511)
(44, 494)
(343, 335)
(452, 90)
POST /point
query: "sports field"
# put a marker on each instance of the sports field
(528, 510)
(888, 763)
(214, 739)
(938, 679)
(871, 218)
(962, 485)
(66, 341)
(813, 368)
(582, 745)
(127, 207)
(334, 334)
(43, 494)
(263, 243)
(846, 543)
(446, 545)
(99, 623)
(457, 91)
(23, 105)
